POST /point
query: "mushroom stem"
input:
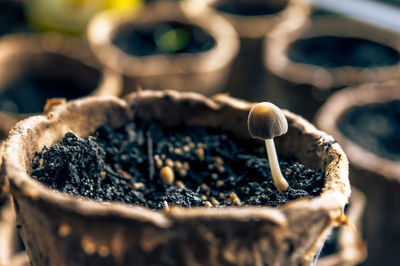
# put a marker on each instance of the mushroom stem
(279, 181)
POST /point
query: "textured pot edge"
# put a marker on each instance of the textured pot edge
(352, 247)
(7, 229)
(225, 49)
(276, 60)
(19, 259)
(329, 114)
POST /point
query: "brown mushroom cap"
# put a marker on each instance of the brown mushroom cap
(266, 121)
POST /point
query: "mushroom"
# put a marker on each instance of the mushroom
(267, 121)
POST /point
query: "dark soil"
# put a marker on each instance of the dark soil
(170, 37)
(250, 8)
(334, 51)
(375, 127)
(210, 169)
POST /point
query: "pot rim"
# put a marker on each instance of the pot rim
(352, 249)
(342, 101)
(102, 28)
(333, 198)
(259, 25)
(277, 43)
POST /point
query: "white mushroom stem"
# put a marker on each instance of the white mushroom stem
(279, 181)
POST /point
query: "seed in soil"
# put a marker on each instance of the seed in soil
(97, 168)
(167, 175)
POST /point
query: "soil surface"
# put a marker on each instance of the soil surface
(147, 164)
(334, 51)
(170, 37)
(250, 8)
(375, 127)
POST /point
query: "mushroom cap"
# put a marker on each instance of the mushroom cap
(266, 121)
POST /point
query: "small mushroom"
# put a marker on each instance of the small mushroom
(267, 121)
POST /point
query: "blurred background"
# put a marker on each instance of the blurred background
(294, 53)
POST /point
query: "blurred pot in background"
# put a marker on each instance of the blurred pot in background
(34, 68)
(326, 54)
(167, 46)
(365, 121)
(253, 19)
(346, 245)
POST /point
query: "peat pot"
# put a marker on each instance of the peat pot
(324, 55)
(253, 19)
(363, 120)
(36, 67)
(60, 229)
(168, 45)
(7, 222)
(7, 229)
(346, 246)
(32, 69)
(19, 259)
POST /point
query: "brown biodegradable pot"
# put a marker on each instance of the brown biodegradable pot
(253, 19)
(203, 71)
(304, 87)
(352, 250)
(35, 67)
(59, 229)
(19, 259)
(7, 231)
(7, 221)
(376, 176)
